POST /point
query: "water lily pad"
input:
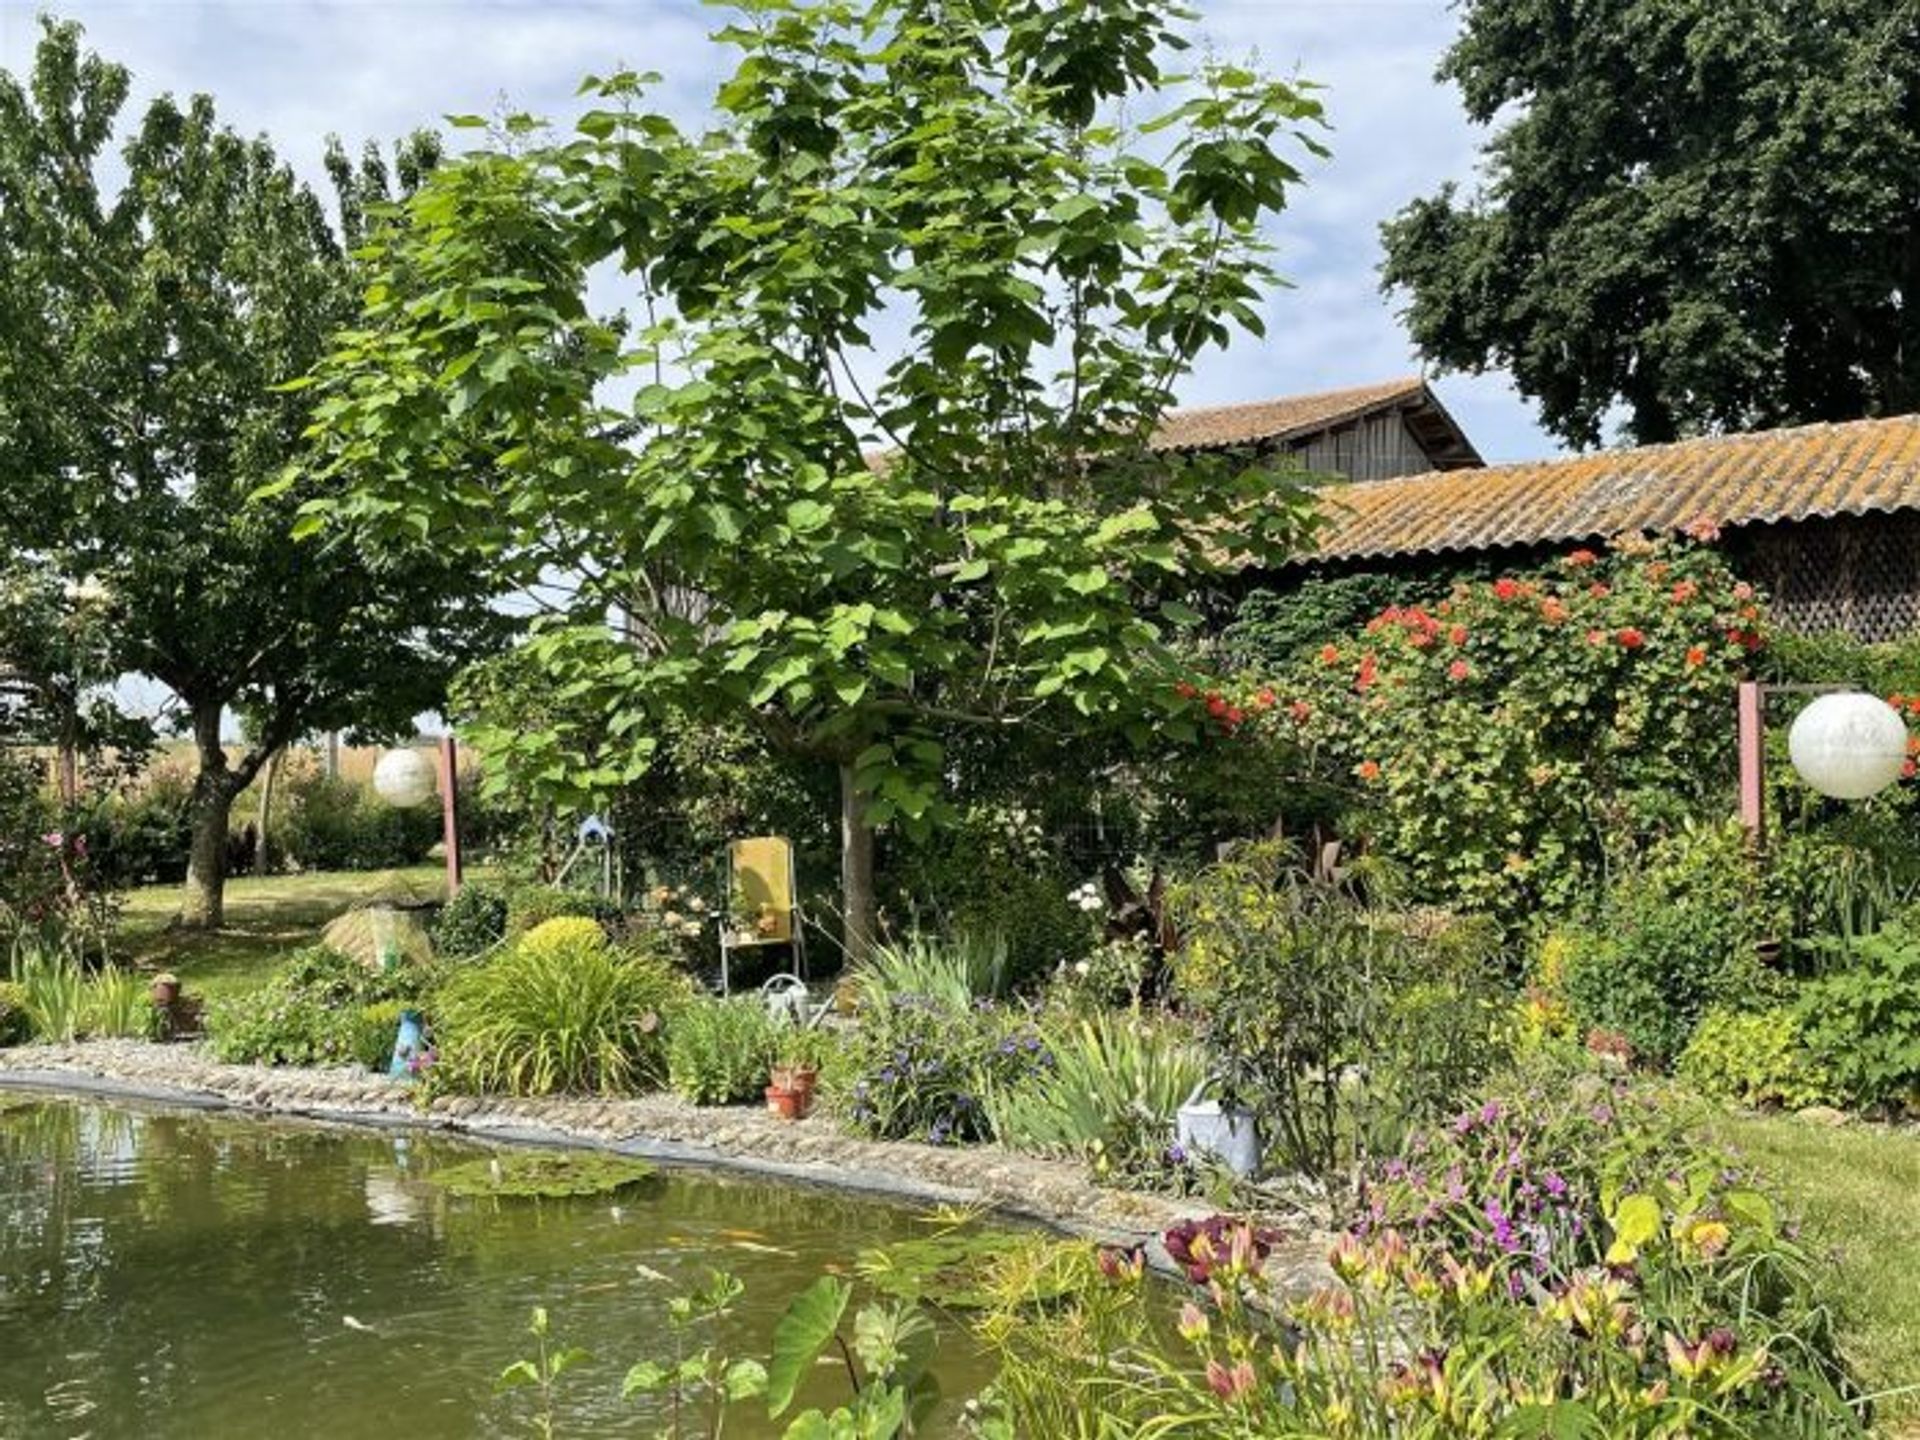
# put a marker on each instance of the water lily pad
(975, 1269)
(543, 1174)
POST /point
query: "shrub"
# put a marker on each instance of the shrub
(316, 1010)
(917, 1069)
(1340, 1024)
(1108, 1094)
(560, 1011)
(1674, 939)
(332, 823)
(720, 1052)
(142, 836)
(1861, 1019)
(15, 1025)
(472, 922)
(532, 905)
(1754, 1058)
(998, 873)
(1497, 737)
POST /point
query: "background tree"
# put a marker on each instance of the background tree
(146, 332)
(1704, 211)
(956, 172)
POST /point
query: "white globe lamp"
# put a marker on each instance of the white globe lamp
(1848, 745)
(404, 778)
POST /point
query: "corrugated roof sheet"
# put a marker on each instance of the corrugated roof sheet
(1816, 470)
(1287, 418)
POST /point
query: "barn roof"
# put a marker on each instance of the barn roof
(1295, 417)
(1857, 468)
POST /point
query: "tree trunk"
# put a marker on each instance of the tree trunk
(262, 862)
(203, 903)
(856, 870)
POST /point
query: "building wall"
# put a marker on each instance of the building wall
(1376, 448)
(1857, 573)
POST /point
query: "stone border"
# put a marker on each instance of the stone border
(662, 1128)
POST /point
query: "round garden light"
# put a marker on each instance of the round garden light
(404, 778)
(1848, 745)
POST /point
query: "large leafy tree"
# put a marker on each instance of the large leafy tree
(901, 325)
(145, 332)
(1703, 212)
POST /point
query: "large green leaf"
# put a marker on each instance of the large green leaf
(806, 1329)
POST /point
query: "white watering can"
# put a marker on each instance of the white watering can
(1227, 1133)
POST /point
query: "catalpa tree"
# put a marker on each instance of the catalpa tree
(901, 327)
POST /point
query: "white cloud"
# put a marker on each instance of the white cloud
(299, 69)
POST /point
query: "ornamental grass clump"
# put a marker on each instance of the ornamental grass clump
(1109, 1095)
(560, 1011)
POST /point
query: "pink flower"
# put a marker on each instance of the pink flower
(1580, 559)
(1459, 670)
(53, 839)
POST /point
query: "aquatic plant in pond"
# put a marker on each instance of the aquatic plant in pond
(543, 1174)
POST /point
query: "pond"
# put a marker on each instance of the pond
(168, 1273)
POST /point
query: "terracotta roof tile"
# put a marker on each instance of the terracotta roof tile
(1817, 470)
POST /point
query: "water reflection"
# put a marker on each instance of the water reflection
(169, 1274)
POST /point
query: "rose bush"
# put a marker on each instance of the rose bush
(1494, 743)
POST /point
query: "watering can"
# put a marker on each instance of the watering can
(1227, 1133)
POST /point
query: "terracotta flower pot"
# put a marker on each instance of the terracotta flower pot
(803, 1078)
(165, 992)
(789, 1104)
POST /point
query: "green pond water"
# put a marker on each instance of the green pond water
(178, 1274)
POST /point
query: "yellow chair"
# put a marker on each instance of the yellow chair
(763, 903)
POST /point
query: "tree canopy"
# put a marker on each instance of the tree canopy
(1704, 212)
(899, 330)
(145, 333)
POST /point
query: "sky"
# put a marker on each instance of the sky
(297, 70)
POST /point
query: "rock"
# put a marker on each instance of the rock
(1822, 1115)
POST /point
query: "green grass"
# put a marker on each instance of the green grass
(266, 919)
(1859, 1189)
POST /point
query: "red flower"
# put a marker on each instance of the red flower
(1234, 716)
(1301, 712)
(1580, 559)
(1263, 700)
(1696, 657)
(1216, 703)
(1369, 671)
(1599, 590)
(1909, 770)
(1552, 611)
(1631, 639)
(1458, 634)
(1185, 690)
(1458, 670)
(1329, 654)
(1507, 588)
(1898, 701)
(1369, 770)
(1684, 591)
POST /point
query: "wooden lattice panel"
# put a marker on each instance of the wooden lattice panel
(1857, 573)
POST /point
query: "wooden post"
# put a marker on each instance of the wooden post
(450, 809)
(1753, 759)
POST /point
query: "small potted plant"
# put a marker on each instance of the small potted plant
(796, 1069)
(165, 988)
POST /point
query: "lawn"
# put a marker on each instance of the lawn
(266, 918)
(1859, 1188)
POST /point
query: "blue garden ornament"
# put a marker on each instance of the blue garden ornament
(411, 1053)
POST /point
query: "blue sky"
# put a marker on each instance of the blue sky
(298, 69)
